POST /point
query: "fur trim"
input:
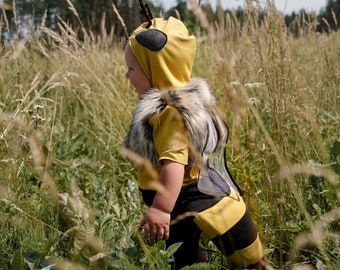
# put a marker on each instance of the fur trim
(197, 106)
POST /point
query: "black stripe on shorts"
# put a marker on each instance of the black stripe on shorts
(240, 236)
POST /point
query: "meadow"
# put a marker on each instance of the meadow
(69, 197)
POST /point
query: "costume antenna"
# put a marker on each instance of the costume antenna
(145, 10)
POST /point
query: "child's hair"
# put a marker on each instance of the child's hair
(165, 50)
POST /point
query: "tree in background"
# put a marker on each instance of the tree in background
(96, 16)
(330, 16)
(99, 18)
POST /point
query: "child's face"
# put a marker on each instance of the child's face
(135, 73)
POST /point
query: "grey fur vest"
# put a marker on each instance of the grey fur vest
(205, 127)
(198, 108)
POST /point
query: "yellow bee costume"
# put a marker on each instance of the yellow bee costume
(178, 120)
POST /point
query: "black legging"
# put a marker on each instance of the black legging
(225, 220)
(185, 231)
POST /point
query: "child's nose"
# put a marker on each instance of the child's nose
(127, 74)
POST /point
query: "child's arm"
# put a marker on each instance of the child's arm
(157, 219)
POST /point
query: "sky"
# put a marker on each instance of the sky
(286, 6)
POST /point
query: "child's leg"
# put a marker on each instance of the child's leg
(185, 231)
(241, 243)
(230, 227)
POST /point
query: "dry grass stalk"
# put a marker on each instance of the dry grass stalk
(140, 161)
(319, 234)
(178, 16)
(121, 20)
(4, 17)
(202, 18)
(16, 208)
(334, 18)
(145, 250)
(8, 50)
(103, 33)
(74, 11)
(15, 14)
(200, 15)
(43, 19)
(183, 216)
(327, 24)
(311, 169)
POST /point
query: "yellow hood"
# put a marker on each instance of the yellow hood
(165, 52)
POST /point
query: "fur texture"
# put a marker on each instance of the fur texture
(196, 104)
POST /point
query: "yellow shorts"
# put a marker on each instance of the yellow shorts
(229, 226)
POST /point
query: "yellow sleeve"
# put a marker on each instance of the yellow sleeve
(170, 135)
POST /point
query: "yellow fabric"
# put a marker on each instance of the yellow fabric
(171, 66)
(249, 255)
(170, 136)
(215, 220)
(171, 142)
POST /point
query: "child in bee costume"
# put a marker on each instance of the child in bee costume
(177, 129)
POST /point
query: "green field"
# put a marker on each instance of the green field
(65, 107)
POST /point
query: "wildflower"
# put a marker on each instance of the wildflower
(35, 107)
(234, 83)
(37, 117)
(27, 111)
(253, 101)
(253, 85)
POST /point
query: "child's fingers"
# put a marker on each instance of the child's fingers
(146, 231)
(166, 233)
(154, 233)
(160, 234)
(141, 223)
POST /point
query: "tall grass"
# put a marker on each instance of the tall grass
(284, 95)
(65, 107)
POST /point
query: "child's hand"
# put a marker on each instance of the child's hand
(156, 225)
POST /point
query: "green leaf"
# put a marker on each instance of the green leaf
(172, 249)
(125, 262)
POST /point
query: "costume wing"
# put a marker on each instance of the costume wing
(215, 178)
